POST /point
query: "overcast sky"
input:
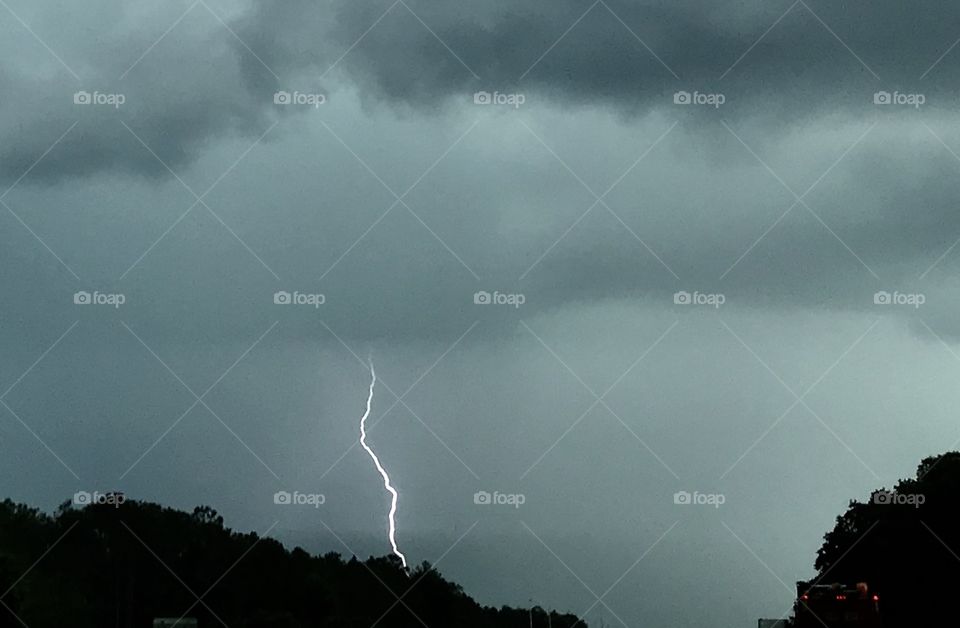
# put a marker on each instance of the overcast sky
(719, 241)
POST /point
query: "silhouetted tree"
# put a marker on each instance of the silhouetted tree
(905, 544)
(9, 601)
(107, 565)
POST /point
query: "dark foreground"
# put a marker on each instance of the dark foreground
(106, 565)
(123, 565)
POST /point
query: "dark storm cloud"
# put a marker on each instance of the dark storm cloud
(180, 90)
(200, 82)
(787, 59)
(701, 212)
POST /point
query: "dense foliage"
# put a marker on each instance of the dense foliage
(905, 544)
(123, 566)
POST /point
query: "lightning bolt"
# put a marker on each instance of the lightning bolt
(383, 472)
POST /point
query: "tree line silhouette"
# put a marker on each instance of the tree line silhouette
(105, 565)
(123, 565)
(905, 544)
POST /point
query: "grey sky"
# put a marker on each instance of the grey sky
(296, 198)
